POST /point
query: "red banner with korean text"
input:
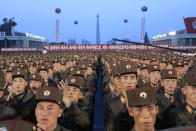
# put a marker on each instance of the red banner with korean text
(102, 47)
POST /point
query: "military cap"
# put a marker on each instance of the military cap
(34, 64)
(154, 68)
(162, 60)
(43, 67)
(2, 65)
(49, 94)
(144, 66)
(141, 96)
(129, 67)
(36, 77)
(189, 79)
(22, 66)
(9, 69)
(75, 81)
(19, 73)
(83, 66)
(168, 74)
(70, 70)
(78, 72)
(17, 125)
(179, 64)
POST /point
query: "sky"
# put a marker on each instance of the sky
(38, 17)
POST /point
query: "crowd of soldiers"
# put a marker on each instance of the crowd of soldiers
(141, 91)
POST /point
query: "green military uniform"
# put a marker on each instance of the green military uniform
(116, 113)
(185, 114)
(19, 105)
(141, 81)
(79, 114)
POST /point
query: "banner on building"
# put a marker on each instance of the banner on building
(18, 49)
(190, 23)
(102, 47)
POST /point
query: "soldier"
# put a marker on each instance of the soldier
(144, 75)
(34, 82)
(43, 72)
(142, 107)
(185, 114)
(165, 95)
(154, 75)
(32, 68)
(14, 104)
(77, 113)
(115, 111)
(48, 108)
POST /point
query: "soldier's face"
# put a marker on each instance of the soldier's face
(1, 93)
(169, 85)
(43, 74)
(155, 77)
(19, 85)
(185, 69)
(128, 81)
(190, 92)
(169, 66)
(32, 69)
(162, 66)
(47, 113)
(144, 116)
(179, 72)
(34, 83)
(74, 94)
(144, 73)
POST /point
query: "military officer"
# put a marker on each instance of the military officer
(48, 108)
(142, 107)
(185, 114)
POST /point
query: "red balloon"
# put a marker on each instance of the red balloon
(58, 10)
(125, 20)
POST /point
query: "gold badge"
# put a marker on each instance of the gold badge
(83, 66)
(78, 72)
(73, 80)
(33, 76)
(34, 128)
(170, 72)
(46, 93)
(128, 66)
(143, 95)
(42, 67)
(155, 67)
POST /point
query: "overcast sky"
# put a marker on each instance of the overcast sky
(38, 17)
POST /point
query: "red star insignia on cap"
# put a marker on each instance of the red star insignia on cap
(143, 95)
(73, 80)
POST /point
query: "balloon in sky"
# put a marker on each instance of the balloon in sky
(58, 10)
(144, 8)
(125, 21)
(75, 22)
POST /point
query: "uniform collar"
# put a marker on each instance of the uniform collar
(190, 109)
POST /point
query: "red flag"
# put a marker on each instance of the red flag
(190, 23)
